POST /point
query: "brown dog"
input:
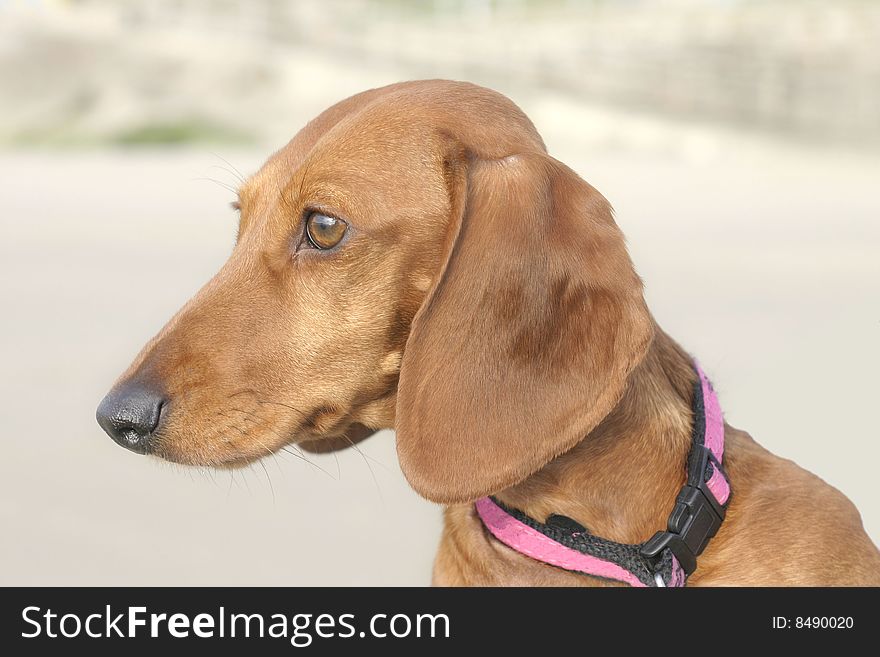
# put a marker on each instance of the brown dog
(414, 259)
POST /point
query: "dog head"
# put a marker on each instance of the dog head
(413, 259)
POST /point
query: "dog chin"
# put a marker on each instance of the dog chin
(236, 463)
(233, 460)
(207, 459)
(352, 436)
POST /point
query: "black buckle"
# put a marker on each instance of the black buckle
(694, 520)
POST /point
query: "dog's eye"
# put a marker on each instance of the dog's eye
(325, 232)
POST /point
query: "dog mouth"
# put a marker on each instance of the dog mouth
(225, 432)
(236, 463)
(251, 446)
(223, 454)
(355, 433)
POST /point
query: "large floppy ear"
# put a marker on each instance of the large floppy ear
(526, 340)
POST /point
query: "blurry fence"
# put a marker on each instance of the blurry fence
(804, 67)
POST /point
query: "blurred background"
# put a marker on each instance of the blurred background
(739, 142)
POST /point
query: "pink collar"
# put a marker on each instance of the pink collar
(668, 557)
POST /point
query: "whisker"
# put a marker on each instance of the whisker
(287, 448)
(292, 408)
(369, 467)
(235, 170)
(273, 431)
(298, 454)
(268, 452)
(367, 456)
(229, 171)
(247, 485)
(243, 391)
(256, 418)
(218, 182)
(269, 479)
(231, 481)
(236, 427)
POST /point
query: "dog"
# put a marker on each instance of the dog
(414, 259)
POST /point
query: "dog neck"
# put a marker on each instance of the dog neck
(620, 482)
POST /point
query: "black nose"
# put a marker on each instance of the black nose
(130, 414)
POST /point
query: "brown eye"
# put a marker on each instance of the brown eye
(325, 232)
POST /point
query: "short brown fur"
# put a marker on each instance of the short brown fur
(484, 305)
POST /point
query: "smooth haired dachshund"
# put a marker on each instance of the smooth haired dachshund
(414, 259)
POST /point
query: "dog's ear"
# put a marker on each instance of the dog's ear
(527, 338)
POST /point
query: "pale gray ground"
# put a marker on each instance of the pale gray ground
(760, 258)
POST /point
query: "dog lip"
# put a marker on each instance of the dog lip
(163, 412)
(237, 462)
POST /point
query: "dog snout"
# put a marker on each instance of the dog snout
(130, 414)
